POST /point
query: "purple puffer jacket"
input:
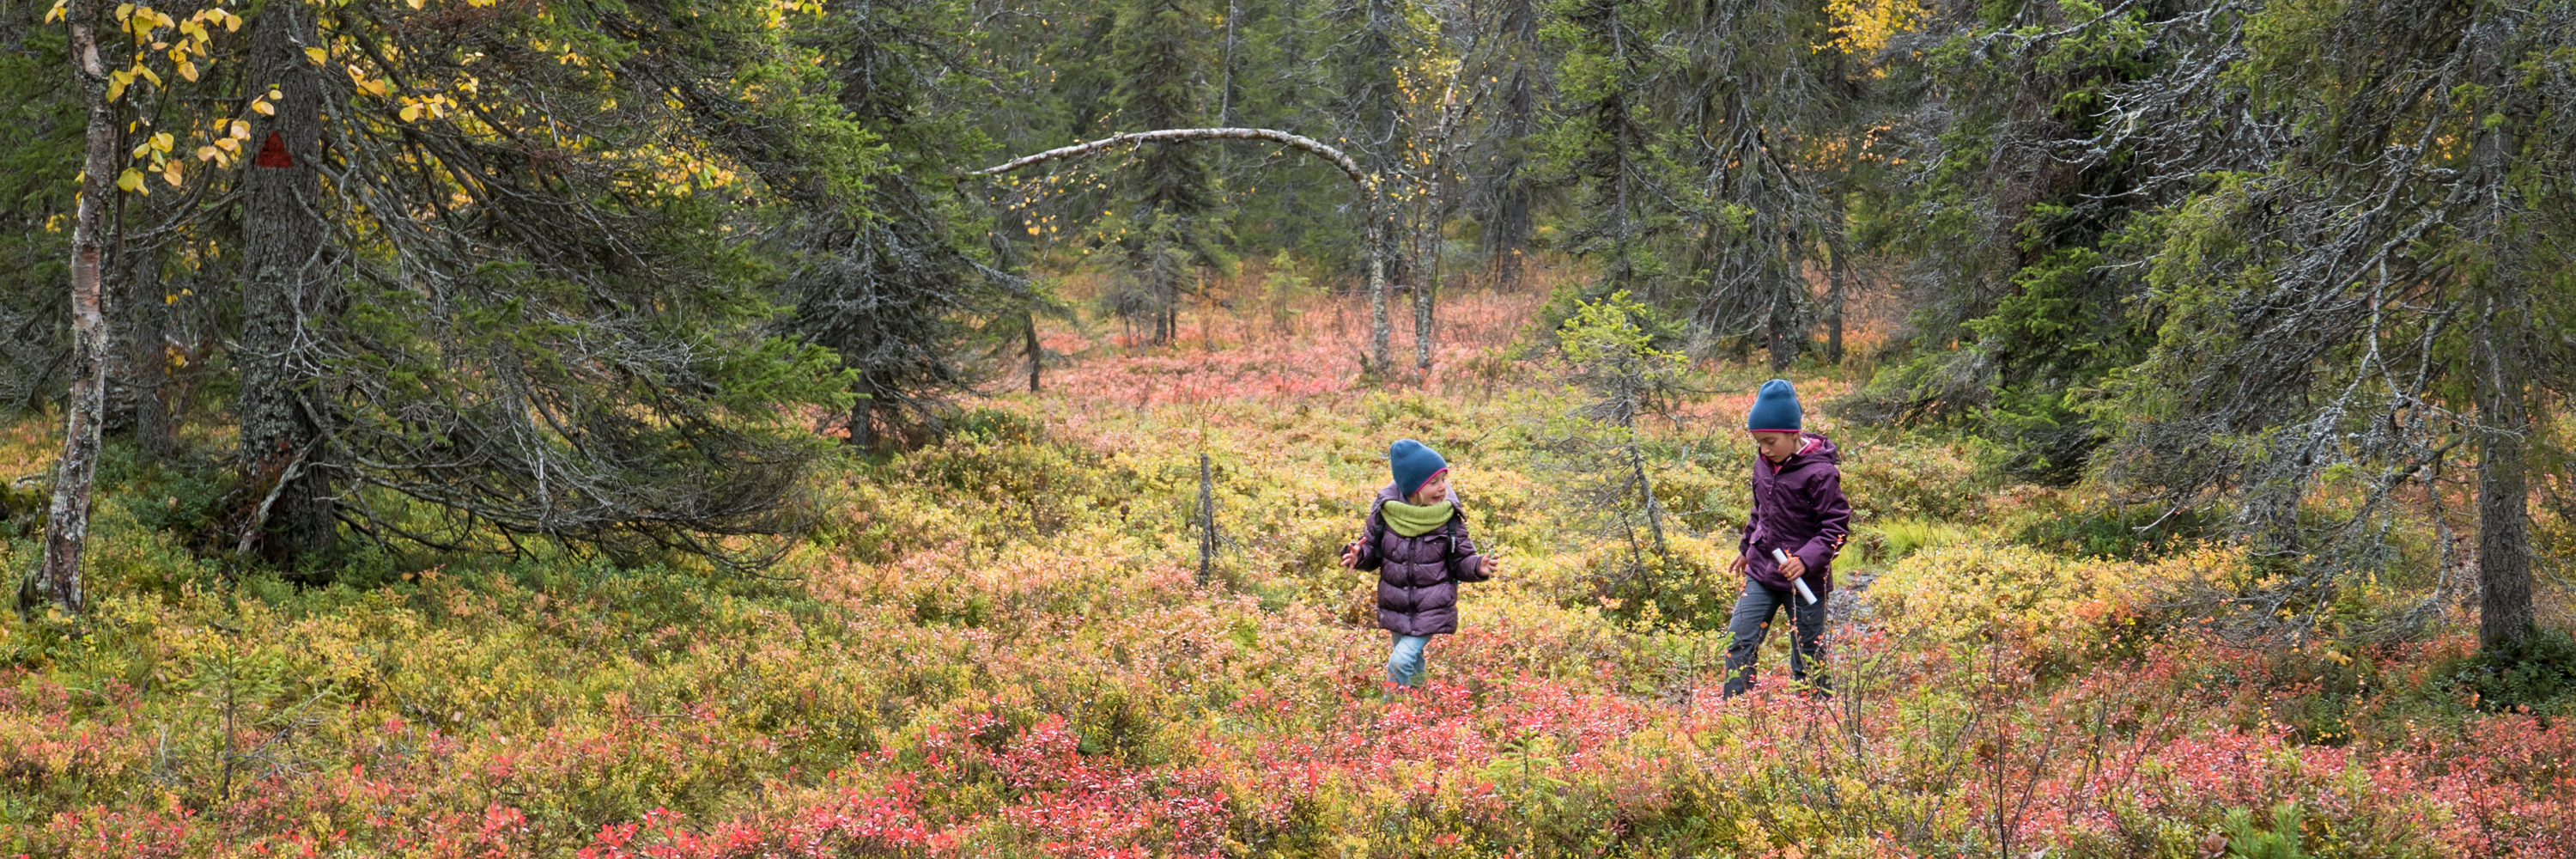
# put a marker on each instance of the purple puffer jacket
(1417, 577)
(1798, 507)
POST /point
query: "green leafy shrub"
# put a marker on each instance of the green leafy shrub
(1889, 479)
(1890, 541)
(2539, 674)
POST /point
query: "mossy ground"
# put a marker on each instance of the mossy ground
(999, 645)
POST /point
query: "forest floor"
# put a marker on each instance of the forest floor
(1002, 645)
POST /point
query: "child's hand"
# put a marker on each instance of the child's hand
(1493, 563)
(1736, 566)
(1351, 555)
(1793, 568)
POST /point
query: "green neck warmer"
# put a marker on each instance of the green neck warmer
(1416, 520)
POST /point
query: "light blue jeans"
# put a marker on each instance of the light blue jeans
(1404, 662)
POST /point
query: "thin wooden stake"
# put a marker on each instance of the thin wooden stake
(1207, 518)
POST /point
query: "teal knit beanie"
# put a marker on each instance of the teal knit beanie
(1775, 409)
(1413, 463)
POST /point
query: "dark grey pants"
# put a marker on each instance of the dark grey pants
(1752, 622)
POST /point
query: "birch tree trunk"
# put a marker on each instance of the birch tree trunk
(1372, 206)
(1377, 295)
(1427, 278)
(57, 579)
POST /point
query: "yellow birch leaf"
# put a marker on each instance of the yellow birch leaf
(124, 11)
(414, 3)
(317, 55)
(262, 107)
(241, 130)
(232, 23)
(116, 86)
(374, 87)
(170, 173)
(131, 180)
(410, 112)
(163, 141)
(60, 7)
(146, 71)
(188, 69)
(207, 153)
(226, 143)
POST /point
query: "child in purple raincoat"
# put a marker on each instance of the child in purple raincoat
(1800, 520)
(1416, 541)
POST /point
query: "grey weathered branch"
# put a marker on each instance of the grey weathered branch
(1372, 205)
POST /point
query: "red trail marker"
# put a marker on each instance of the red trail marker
(272, 153)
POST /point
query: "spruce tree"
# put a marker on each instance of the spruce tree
(1160, 51)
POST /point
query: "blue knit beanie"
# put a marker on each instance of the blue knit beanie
(1413, 463)
(1775, 409)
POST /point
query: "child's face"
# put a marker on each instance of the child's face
(1433, 490)
(1775, 446)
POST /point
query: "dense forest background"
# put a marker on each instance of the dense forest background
(324, 297)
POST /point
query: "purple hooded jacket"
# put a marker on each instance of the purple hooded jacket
(1798, 507)
(1417, 577)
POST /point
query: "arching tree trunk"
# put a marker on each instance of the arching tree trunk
(57, 580)
(282, 292)
(1372, 207)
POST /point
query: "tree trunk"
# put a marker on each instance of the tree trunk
(1377, 295)
(863, 423)
(282, 307)
(1646, 492)
(1426, 277)
(2504, 545)
(2504, 421)
(1785, 338)
(1037, 353)
(1168, 306)
(143, 307)
(1372, 206)
(57, 579)
(1838, 272)
(1425, 285)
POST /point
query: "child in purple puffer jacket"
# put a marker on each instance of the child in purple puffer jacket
(1416, 540)
(1800, 520)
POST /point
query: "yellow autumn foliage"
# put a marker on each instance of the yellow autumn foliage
(2050, 602)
